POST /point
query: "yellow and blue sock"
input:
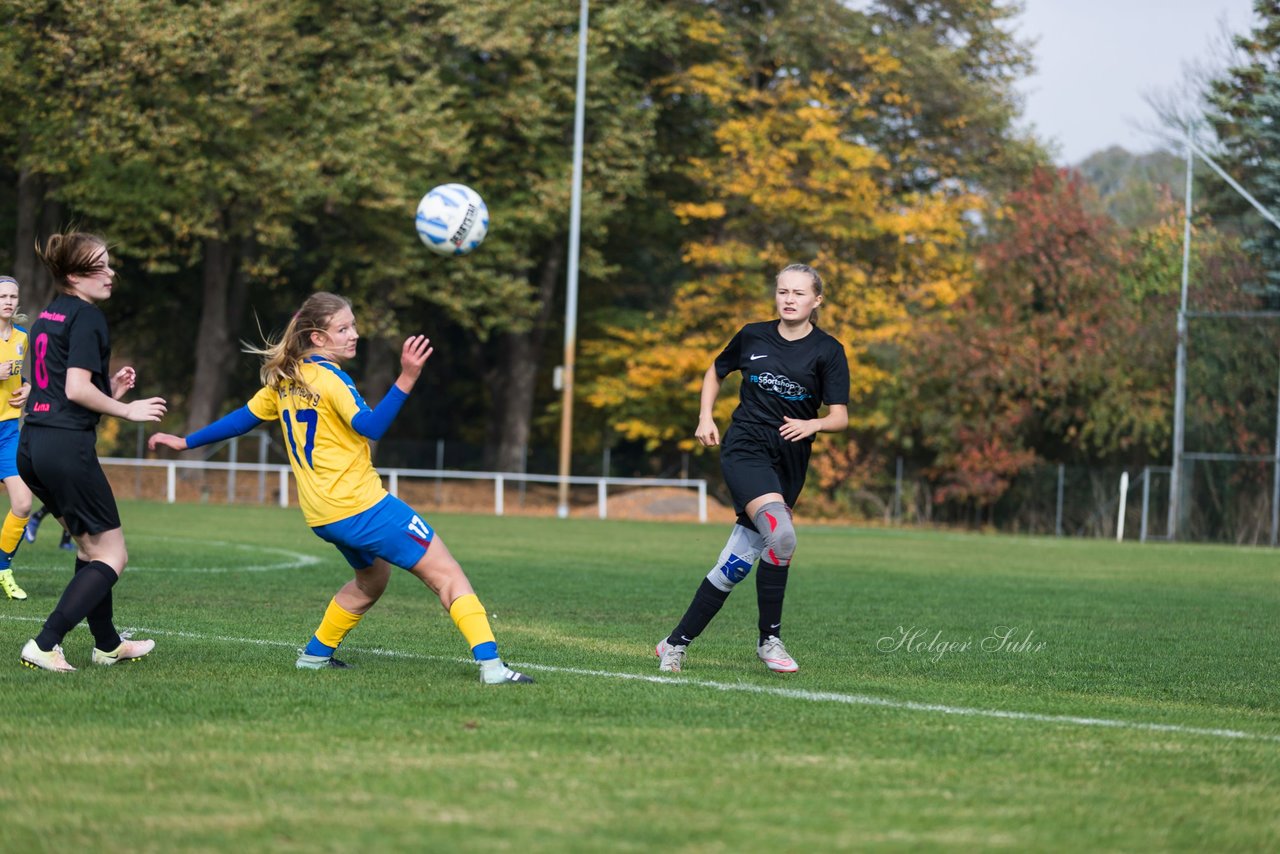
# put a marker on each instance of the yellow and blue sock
(336, 625)
(473, 621)
(11, 537)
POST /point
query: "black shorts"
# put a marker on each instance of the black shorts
(62, 469)
(756, 460)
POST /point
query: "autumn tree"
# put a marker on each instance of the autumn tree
(827, 139)
(1048, 358)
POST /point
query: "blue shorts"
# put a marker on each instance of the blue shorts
(9, 448)
(389, 530)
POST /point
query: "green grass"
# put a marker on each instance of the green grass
(216, 742)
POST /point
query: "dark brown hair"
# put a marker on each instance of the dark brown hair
(72, 253)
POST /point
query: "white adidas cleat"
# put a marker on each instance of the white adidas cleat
(496, 672)
(670, 656)
(775, 657)
(319, 662)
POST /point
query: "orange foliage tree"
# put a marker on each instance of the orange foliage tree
(1058, 354)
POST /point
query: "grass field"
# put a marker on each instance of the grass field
(1135, 704)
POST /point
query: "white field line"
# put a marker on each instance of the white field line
(744, 687)
(289, 559)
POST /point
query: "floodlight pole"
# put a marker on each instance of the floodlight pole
(571, 297)
(1180, 372)
(1275, 479)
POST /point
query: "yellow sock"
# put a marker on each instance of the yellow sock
(472, 620)
(337, 622)
(11, 533)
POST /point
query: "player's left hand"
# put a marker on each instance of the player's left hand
(795, 429)
(19, 398)
(124, 379)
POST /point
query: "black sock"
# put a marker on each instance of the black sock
(82, 594)
(101, 619)
(39, 514)
(705, 605)
(771, 587)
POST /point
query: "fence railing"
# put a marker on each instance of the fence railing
(393, 476)
(1224, 500)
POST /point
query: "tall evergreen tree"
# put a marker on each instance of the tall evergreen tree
(1245, 104)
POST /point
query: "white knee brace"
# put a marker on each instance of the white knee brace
(737, 558)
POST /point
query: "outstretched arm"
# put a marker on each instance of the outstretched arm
(374, 423)
(234, 424)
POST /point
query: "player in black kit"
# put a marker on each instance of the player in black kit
(790, 368)
(72, 388)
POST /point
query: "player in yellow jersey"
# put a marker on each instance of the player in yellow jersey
(327, 427)
(13, 395)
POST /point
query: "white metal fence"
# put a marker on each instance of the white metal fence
(283, 476)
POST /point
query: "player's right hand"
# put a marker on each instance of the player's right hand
(707, 433)
(147, 409)
(167, 440)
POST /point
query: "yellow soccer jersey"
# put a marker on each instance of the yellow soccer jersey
(331, 461)
(14, 350)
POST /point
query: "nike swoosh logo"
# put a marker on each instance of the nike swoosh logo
(765, 356)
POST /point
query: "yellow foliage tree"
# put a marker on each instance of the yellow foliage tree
(794, 175)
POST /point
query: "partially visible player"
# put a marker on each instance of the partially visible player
(790, 369)
(73, 389)
(13, 395)
(33, 528)
(327, 427)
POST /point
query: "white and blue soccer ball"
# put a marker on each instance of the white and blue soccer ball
(452, 219)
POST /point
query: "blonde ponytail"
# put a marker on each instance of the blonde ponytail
(282, 359)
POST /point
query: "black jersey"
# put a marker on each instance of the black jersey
(782, 378)
(70, 333)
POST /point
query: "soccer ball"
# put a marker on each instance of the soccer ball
(452, 219)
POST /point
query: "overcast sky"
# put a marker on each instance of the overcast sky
(1096, 59)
